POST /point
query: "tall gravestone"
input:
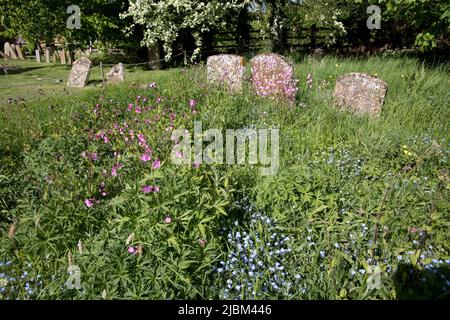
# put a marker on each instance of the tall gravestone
(79, 75)
(226, 70)
(360, 93)
(116, 74)
(272, 76)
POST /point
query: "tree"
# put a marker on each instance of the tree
(167, 21)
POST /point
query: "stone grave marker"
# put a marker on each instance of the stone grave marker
(38, 55)
(79, 75)
(47, 55)
(116, 74)
(19, 53)
(272, 76)
(226, 70)
(62, 56)
(360, 93)
(9, 51)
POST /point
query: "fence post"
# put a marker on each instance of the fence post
(103, 77)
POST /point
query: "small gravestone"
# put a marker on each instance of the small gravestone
(9, 51)
(54, 54)
(79, 75)
(69, 57)
(116, 74)
(226, 70)
(38, 56)
(13, 52)
(19, 53)
(47, 55)
(272, 76)
(62, 56)
(360, 93)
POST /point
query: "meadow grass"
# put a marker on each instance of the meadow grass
(306, 233)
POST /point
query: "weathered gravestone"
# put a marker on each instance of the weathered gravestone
(62, 56)
(47, 55)
(116, 74)
(9, 51)
(272, 76)
(19, 53)
(79, 75)
(360, 93)
(226, 70)
(38, 56)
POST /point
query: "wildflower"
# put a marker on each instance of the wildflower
(202, 242)
(89, 203)
(155, 188)
(192, 103)
(152, 85)
(131, 250)
(138, 110)
(147, 189)
(130, 107)
(167, 219)
(146, 157)
(156, 164)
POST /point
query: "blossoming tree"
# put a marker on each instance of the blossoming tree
(165, 20)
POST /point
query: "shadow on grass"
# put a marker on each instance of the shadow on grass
(431, 283)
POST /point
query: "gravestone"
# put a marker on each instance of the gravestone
(54, 54)
(62, 56)
(272, 76)
(38, 56)
(19, 53)
(47, 55)
(116, 74)
(226, 70)
(69, 57)
(13, 52)
(360, 93)
(79, 75)
(9, 51)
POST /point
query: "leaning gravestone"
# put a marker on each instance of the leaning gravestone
(272, 76)
(360, 93)
(226, 69)
(19, 53)
(117, 74)
(47, 55)
(79, 75)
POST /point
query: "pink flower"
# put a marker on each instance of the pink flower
(192, 103)
(152, 85)
(202, 242)
(130, 106)
(131, 250)
(146, 157)
(167, 219)
(89, 203)
(196, 165)
(147, 189)
(156, 189)
(156, 164)
(138, 110)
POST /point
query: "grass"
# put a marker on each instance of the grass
(358, 210)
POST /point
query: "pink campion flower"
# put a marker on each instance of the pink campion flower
(83, 154)
(156, 164)
(138, 110)
(146, 157)
(178, 154)
(94, 156)
(147, 189)
(131, 250)
(89, 203)
(152, 85)
(202, 242)
(156, 189)
(158, 100)
(130, 107)
(192, 103)
(167, 219)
